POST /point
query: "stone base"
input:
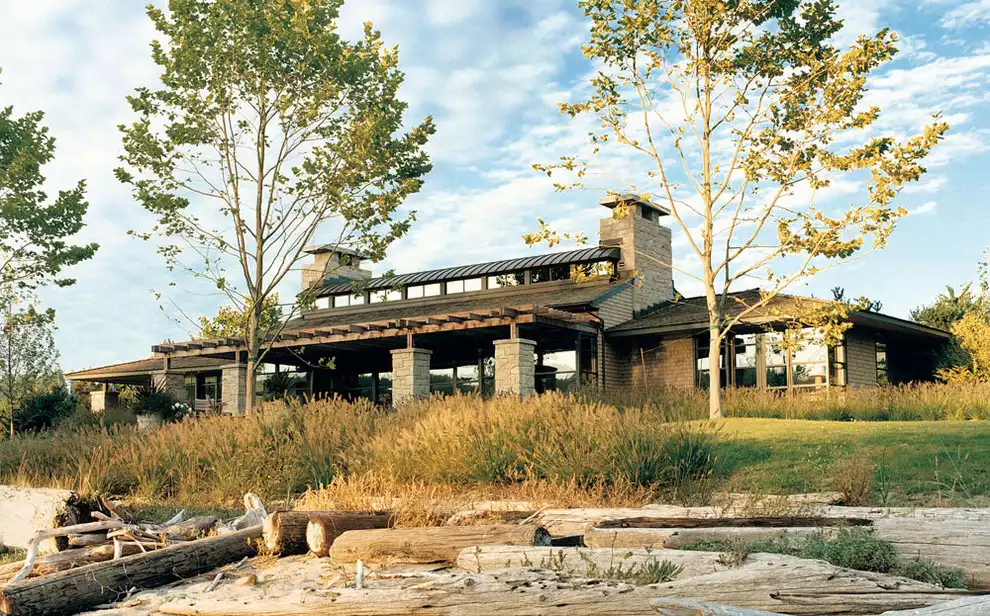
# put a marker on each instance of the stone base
(410, 375)
(103, 401)
(232, 396)
(515, 367)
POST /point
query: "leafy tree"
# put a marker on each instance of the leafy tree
(972, 332)
(230, 322)
(860, 303)
(28, 359)
(33, 229)
(268, 129)
(742, 112)
(951, 306)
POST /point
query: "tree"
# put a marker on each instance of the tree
(33, 229)
(951, 306)
(268, 129)
(28, 359)
(860, 303)
(230, 322)
(972, 332)
(742, 112)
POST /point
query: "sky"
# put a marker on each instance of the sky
(492, 74)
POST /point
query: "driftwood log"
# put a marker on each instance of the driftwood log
(75, 590)
(66, 560)
(677, 538)
(970, 606)
(323, 528)
(191, 529)
(286, 532)
(429, 545)
(516, 591)
(26, 511)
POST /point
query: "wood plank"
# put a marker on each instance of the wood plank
(429, 545)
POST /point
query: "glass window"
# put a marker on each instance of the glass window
(506, 280)
(473, 284)
(556, 371)
(211, 387)
(550, 272)
(432, 290)
(414, 292)
(809, 362)
(882, 373)
(323, 303)
(442, 380)
(701, 371)
(467, 378)
(775, 361)
(462, 286)
(357, 299)
(387, 295)
(190, 385)
(341, 300)
(745, 360)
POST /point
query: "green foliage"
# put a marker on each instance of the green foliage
(853, 548)
(279, 385)
(269, 128)
(951, 306)
(44, 411)
(153, 399)
(34, 230)
(972, 334)
(924, 571)
(733, 106)
(231, 322)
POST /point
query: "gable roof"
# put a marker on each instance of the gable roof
(491, 268)
(691, 313)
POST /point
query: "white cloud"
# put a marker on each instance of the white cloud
(927, 207)
(967, 15)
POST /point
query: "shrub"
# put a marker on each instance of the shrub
(153, 399)
(853, 548)
(854, 477)
(924, 571)
(44, 411)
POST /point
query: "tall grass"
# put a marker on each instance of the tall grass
(285, 449)
(910, 402)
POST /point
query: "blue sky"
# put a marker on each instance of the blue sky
(492, 73)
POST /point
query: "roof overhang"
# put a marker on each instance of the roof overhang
(615, 200)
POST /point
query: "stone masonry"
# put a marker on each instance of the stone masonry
(328, 265)
(232, 389)
(515, 367)
(410, 375)
(172, 382)
(646, 250)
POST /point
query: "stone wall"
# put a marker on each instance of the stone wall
(410, 375)
(101, 401)
(172, 382)
(232, 389)
(646, 250)
(515, 367)
(617, 308)
(861, 358)
(327, 265)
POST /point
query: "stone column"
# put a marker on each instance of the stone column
(515, 367)
(232, 397)
(410, 375)
(172, 382)
(103, 400)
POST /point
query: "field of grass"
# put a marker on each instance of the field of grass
(920, 462)
(553, 449)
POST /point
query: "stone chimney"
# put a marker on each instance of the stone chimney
(333, 264)
(635, 227)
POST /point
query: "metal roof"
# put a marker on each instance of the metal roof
(571, 257)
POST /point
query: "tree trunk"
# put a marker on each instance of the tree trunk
(288, 532)
(715, 374)
(68, 559)
(428, 545)
(76, 590)
(323, 529)
(27, 511)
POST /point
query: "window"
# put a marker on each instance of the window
(323, 302)
(556, 371)
(211, 387)
(809, 363)
(340, 301)
(387, 295)
(190, 386)
(423, 290)
(775, 361)
(550, 272)
(593, 270)
(506, 280)
(745, 360)
(442, 380)
(414, 292)
(701, 368)
(473, 284)
(882, 373)
(463, 286)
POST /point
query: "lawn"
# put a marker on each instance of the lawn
(925, 463)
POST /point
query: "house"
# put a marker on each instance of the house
(602, 316)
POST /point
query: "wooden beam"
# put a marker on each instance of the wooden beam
(354, 329)
(455, 319)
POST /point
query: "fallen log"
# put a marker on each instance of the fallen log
(286, 532)
(75, 590)
(68, 559)
(323, 527)
(191, 529)
(680, 607)
(972, 606)
(588, 562)
(748, 522)
(531, 592)
(961, 544)
(428, 545)
(26, 511)
(677, 538)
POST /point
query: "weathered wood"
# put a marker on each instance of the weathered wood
(26, 511)
(677, 538)
(962, 544)
(971, 606)
(68, 559)
(323, 527)
(429, 545)
(524, 592)
(741, 522)
(191, 529)
(680, 607)
(587, 562)
(75, 590)
(285, 532)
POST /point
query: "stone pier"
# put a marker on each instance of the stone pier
(410, 375)
(515, 367)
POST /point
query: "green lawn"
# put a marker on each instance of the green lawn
(928, 463)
